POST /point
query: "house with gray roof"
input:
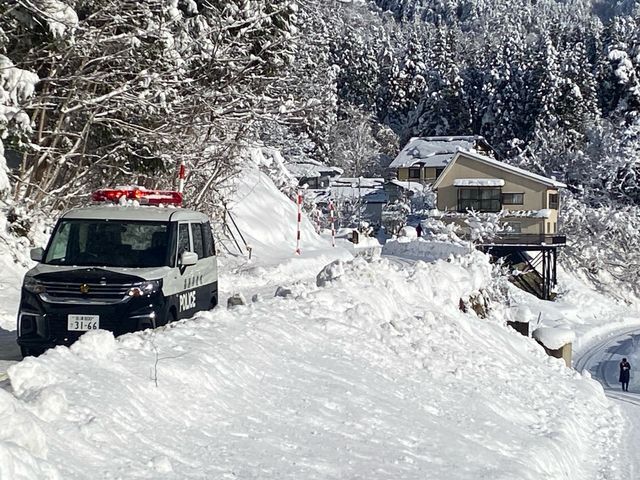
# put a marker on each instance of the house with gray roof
(423, 159)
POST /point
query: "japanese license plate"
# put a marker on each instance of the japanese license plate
(83, 323)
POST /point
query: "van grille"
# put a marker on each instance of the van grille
(74, 293)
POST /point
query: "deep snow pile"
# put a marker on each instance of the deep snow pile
(419, 249)
(376, 375)
(266, 220)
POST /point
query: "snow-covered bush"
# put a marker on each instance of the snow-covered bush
(603, 246)
(16, 88)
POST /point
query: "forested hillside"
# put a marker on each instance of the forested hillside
(96, 92)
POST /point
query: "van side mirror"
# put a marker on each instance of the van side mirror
(188, 258)
(37, 254)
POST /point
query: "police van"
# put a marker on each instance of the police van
(133, 264)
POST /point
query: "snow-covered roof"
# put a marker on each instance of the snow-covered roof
(433, 151)
(542, 213)
(311, 169)
(411, 186)
(363, 182)
(369, 189)
(376, 196)
(478, 182)
(550, 182)
(554, 338)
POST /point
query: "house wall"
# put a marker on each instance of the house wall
(536, 195)
(427, 175)
(373, 213)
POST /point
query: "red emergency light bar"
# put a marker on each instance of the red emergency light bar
(142, 195)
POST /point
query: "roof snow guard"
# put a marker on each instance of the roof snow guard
(139, 194)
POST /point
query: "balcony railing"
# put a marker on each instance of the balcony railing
(513, 239)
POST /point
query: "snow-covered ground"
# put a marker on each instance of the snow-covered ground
(374, 372)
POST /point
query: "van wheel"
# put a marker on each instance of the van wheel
(31, 352)
(213, 303)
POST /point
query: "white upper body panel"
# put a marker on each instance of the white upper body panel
(135, 213)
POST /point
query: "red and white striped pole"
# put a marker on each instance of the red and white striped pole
(181, 175)
(298, 252)
(332, 220)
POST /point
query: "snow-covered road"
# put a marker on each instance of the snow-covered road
(601, 360)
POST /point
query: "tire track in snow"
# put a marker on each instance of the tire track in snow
(599, 359)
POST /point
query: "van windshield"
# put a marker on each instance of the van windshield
(109, 243)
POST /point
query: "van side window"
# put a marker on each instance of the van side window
(183, 239)
(59, 247)
(209, 245)
(196, 235)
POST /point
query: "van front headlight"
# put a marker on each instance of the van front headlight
(145, 288)
(32, 285)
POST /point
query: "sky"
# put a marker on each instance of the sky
(369, 370)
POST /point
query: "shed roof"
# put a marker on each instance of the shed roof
(407, 185)
(369, 189)
(549, 182)
(311, 169)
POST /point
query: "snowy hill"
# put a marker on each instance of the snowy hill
(375, 374)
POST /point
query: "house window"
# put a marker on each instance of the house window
(513, 198)
(479, 199)
(515, 227)
(439, 171)
(414, 173)
(553, 201)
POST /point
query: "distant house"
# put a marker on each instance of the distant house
(423, 159)
(398, 188)
(474, 182)
(528, 204)
(313, 174)
(365, 194)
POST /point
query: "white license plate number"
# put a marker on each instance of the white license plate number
(83, 323)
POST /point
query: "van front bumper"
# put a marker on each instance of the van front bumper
(43, 324)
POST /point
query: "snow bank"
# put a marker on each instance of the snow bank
(410, 246)
(375, 375)
(267, 220)
(23, 445)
